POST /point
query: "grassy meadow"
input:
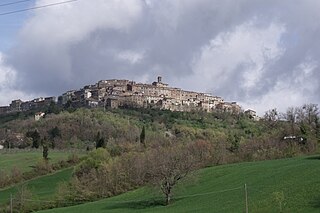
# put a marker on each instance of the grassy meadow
(26, 160)
(42, 188)
(293, 183)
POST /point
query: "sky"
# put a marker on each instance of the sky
(263, 54)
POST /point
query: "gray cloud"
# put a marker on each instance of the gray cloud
(263, 54)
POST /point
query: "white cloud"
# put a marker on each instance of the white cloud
(133, 57)
(55, 43)
(239, 50)
(73, 22)
(294, 90)
(244, 52)
(7, 74)
(8, 83)
(168, 14)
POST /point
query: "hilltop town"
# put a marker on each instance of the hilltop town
(116, 93)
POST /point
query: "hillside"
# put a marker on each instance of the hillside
(42, 188)
(236, 133)
(130, 145)
(26, 160)
(221, 189)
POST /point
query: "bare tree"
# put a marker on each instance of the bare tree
(271, 116)
(311, 113)
(306, 117)
(291, 116)
(167, 167)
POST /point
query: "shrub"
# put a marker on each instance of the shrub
(43, 167)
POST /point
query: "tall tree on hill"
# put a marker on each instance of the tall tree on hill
(35, 135)
(311, 113)
(291, 117)
(272, 117)
(143, 136)
(167, 167)
(317, 123)
(54, 133)
(45, 152)
(53, 108)
(100, 141)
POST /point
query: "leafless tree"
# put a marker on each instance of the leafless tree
(311, 112)
(291, 116)
(168, 166)
(272, 117)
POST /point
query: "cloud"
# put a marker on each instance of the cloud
(253, 52)
(233, 64)
(53, 43)
(289, 91)
(130, 56)
(8, 76)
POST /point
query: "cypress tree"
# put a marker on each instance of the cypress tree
(143, 136)
(45, 152)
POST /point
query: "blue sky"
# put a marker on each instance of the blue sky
(263, 54)
(10, 24)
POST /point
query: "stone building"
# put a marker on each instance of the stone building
(252, 114)
(116, 93)
(15, 105)
(4, 109)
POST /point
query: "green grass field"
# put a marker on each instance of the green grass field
(42, 188)
(221, 189)
(25, 160)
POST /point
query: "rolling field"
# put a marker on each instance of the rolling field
(42, 188)
(25, 160)
(221, 189)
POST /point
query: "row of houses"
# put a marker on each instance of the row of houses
(116, 93)
(19, 105)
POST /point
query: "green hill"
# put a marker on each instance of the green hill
(221, 189)
(25, 160)
(42, 188)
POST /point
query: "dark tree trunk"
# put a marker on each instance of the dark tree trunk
(168, 199)
(168, 194)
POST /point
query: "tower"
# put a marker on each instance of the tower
(159, 79)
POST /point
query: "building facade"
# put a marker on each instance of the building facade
(116, 93)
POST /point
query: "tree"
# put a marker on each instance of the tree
(92, 162)
(234, 140)
(311, 113)
(54, 133)
(35, 135)
(143, 136)
(53, 108)
(291, 116)
(45, 152)
(202, 152)
(307, 116)
(21, 199)
(167, 167)
(100, 142)
(271, 116)
(317, 124)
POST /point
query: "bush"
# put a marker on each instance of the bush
(43, 167)
(20, 201)
(4, 179)
(92, 162)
